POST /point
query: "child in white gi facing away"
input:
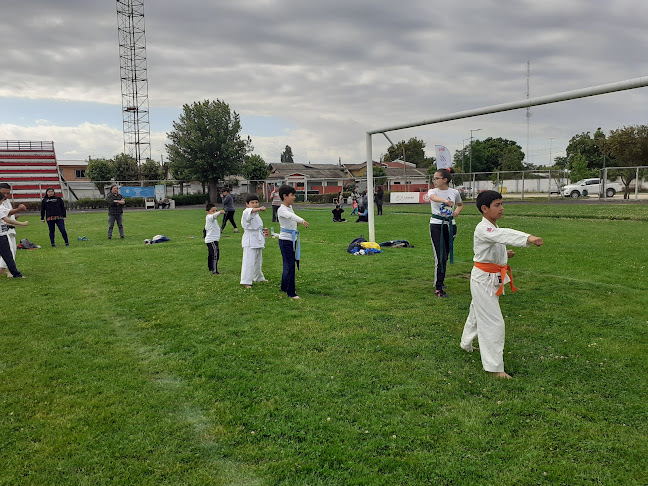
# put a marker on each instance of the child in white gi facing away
(253, 242)
(487, 279)
(212, 236)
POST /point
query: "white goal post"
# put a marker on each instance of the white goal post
(516, 105)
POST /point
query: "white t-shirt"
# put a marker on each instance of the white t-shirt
(212, 228)
(6, 203)
(4, 212)
(287, 220)
(442, 209)
(252, 230)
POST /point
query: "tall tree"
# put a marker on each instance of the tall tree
(125, 168)
(151, 171)
(628, 147)
(590, 147)
(100, 171)
(413, 150)
(579, 169)
(490, 155)
(255, 169)
(206, 143)
(380, 176)
(287, 155)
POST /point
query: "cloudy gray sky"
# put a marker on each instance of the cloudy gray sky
(318, 75)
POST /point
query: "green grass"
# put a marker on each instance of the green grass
(123, 363)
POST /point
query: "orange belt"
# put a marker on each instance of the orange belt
(501, 269)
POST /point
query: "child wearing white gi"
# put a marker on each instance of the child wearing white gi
(487, 279)
(212, 236)
(253, 242)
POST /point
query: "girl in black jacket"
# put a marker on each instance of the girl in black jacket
(54, 208)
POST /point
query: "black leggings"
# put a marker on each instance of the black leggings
(440, 261)
(229, 216)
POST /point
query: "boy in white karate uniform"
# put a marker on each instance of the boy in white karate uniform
(253, 242)
(487, 279)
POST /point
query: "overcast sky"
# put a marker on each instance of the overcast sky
(317, 75)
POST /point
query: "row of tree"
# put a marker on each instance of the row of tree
(122, 168)
(626, 148)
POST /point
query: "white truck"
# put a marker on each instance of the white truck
(591, 187)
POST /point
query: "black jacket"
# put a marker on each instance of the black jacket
(53, 206)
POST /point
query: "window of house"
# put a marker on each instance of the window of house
(79, 174)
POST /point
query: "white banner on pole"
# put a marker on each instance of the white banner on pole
(443, 157)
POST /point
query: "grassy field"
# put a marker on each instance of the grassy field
(122, 363)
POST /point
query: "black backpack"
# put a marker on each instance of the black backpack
(355, 243)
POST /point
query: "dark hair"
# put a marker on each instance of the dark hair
(284, 190)
(209, 206)
(486, 198)
(4, 185)
(251, 197)
(114, 185)
(446, 174)
(49, 189)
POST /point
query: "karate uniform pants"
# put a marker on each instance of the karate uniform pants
(288, 275)
(6, 255)
(485, 322)
(13, 246)
(251, 266)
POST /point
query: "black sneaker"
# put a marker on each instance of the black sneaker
(441, 294)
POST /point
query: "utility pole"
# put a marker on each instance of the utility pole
(471, 139)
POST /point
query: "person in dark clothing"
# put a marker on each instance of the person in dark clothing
(116, 204)
(228, 206)
(53, 210)
(337, 214)
(363, 215)
(378, 199)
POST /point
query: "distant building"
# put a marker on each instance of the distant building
(310, 178)
(73, 170)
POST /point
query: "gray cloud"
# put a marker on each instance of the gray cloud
(335, 69)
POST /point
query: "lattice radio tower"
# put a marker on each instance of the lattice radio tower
(134, 79)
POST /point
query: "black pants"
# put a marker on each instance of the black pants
(229, 216)
(213, 254)
(61, 226)
(7, 256)
(440, 261)
(288, 274)
(379, 206)
(275, 219)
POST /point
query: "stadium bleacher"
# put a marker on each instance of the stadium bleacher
(29, 167)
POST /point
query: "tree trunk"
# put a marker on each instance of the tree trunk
(213, 192)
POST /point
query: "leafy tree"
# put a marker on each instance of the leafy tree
(287, 155)
(579, 168)
(414, 153)
(255, 169)
(491, 155)
(380, 176)
(628, 147)
(590, 147)
(206, 144)
(99, 171)
(125, 168)
(151, 171)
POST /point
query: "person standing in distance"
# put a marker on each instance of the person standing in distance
(116, 204)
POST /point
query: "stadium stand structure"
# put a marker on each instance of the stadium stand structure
(29, 168)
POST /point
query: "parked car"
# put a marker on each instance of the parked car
(465, 191)
(591, 187)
